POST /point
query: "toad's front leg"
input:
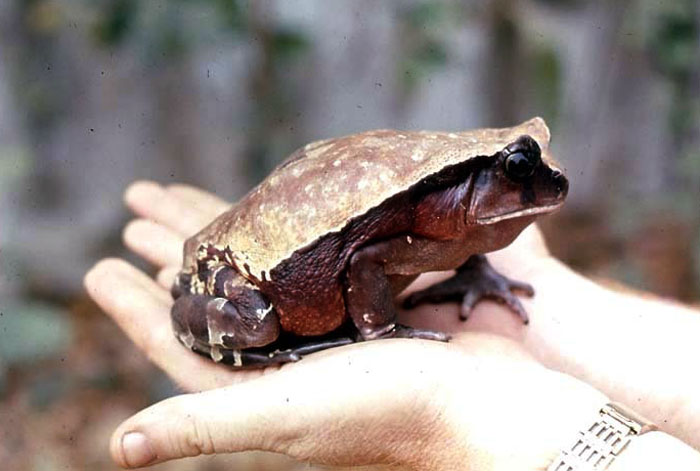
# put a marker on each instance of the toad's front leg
(474, 280)
(369, 294)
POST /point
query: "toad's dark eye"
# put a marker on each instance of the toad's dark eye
(521, 164)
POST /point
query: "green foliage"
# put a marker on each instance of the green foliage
(426, 15)
(273, 93)
(230, 14)
(676, 51)
(165, 27)
(32, 331)
(115, 21)
(432, 54)
(48, 387)
(423, 40)
(171, 41)
(546, 72)
(288, 45)
(15, 164)
(675, 40)
(688, 172)
(423, 60)
(563, 3)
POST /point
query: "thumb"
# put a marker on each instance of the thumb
(177, 427)
(230, 419)
(311, 411)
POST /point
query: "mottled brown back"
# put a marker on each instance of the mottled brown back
(324, 184)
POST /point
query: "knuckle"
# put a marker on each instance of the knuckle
(192, 436)
(191, 245)
(139, 186)
(179, 187)
(156, 340)
(294, 446)
(199, 438)
(301, 451)
(102, 269)
(132, 230)
(143, 183)
(166, 276)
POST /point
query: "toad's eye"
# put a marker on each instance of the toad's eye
(520, 164)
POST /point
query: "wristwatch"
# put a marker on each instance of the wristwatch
(597, 446)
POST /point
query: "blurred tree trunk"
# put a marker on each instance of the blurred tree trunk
(175, 96)
(505, 68)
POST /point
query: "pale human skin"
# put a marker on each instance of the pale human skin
(498, 396)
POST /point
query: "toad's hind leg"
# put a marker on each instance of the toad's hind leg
(280, 354)
(219, 314)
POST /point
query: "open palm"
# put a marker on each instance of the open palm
(424, 404)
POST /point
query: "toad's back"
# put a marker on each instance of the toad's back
(326, 184)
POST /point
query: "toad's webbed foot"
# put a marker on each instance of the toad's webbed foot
(272, 354)
(475, 280)
(400, 331)
(241, 333)
(405, 332)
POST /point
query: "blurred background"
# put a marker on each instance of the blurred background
(96, 94)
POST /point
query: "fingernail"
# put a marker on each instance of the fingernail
(137, 451)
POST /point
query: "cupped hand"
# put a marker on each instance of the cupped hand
(316, 409)
(407, 401)
(424, 405)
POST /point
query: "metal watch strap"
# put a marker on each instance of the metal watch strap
(596, 447)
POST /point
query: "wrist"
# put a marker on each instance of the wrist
(522, 428)
(656, 450)
(604, 336)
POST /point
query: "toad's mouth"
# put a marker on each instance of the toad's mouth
(520, 213)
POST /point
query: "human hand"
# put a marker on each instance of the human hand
(178, 211)
(418, 404)
(413, 401)
(638, 350)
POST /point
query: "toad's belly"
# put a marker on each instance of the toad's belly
(315, 311)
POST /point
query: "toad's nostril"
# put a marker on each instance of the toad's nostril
(562, 184)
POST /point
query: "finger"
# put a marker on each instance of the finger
(154, 242)
(151, 201)
(166, 277)
(186, 426)
(202, 201)
(142, 309)
(282, 413)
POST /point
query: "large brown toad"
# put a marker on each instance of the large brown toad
(314, 256)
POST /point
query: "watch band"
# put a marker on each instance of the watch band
(597, 446)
